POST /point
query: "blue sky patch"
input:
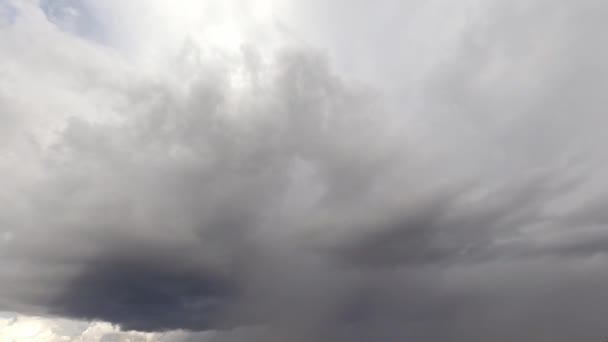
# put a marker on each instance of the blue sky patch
(73, 16)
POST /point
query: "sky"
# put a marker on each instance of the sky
(295, 171)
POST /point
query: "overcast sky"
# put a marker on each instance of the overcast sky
(298, 171)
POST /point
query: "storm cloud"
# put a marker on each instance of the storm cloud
(305, 171)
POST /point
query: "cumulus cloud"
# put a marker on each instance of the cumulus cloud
(235, 171)
(39, 329)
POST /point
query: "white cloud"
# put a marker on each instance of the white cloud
(21, 328)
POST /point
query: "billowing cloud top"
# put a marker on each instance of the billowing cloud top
(303, 171)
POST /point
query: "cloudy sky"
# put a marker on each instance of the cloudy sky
(298, 171)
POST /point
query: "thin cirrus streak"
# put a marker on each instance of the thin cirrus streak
(302, 171)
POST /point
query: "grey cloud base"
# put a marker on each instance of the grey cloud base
(292, 204)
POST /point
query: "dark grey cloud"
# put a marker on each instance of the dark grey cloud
(264, 196)
(147, 291)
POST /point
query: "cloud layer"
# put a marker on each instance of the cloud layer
(171, 168)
